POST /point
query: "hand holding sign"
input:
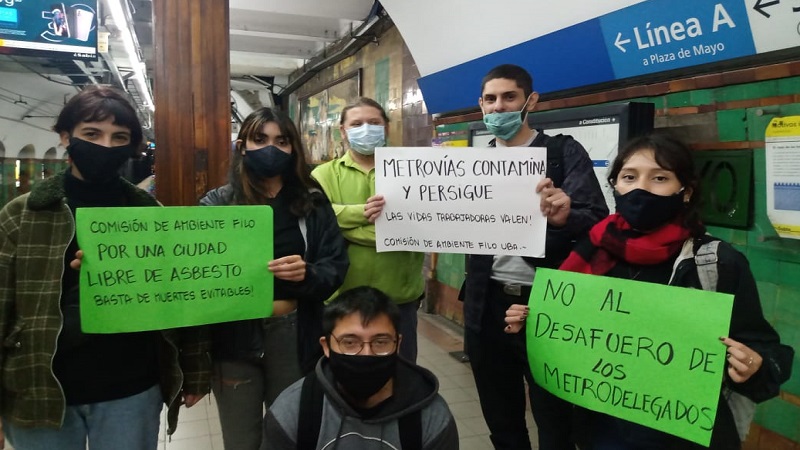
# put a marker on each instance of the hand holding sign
(75, 264)
(743, 362)
(374, 207)
(554, 203)
(288, 268)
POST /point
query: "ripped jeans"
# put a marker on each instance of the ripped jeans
(243, 389)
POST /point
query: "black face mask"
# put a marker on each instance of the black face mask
(362, 376)
(645, 211)
(267, 162)
(97, 163)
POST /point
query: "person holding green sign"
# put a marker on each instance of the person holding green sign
(61, 388)
(655, 236)
(255, 360)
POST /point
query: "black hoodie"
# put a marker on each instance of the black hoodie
(415, 389)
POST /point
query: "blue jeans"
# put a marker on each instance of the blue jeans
(243, 389)
(129, 423)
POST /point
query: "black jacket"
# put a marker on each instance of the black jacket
(587, 208)
(326, 265)
(748, 326)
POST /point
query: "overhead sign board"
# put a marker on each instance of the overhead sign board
(643, 39)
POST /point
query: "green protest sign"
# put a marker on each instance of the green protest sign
(643, 352)
(156, 268)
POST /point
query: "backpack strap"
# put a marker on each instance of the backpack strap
(410, 428)
(742, 408)
(310, 420)
(706, 259)
(555, 158)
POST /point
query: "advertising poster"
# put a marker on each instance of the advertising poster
(783, 175)
(49, 28)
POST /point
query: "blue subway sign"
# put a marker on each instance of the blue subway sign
(643, 39)
(648, 38)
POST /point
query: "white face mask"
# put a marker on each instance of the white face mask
(365, 138)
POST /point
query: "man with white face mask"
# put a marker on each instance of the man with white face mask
(349, 183)
(572, 201)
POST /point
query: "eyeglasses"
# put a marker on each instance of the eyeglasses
(380, 346)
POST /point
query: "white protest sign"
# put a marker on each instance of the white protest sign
(460, 200)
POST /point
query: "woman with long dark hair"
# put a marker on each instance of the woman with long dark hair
(254, 360)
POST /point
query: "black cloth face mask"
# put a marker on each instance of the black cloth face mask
(645, 211)
(267, 162)
(362, 376)
(98, 163)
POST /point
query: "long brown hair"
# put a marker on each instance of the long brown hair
(297, 182)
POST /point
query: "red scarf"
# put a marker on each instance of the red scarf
(612, 239)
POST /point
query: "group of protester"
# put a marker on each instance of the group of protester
(343, 375)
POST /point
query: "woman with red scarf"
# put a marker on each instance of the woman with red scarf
(653, 237)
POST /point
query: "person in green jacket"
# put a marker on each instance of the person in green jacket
(62, 388)
(349, 183)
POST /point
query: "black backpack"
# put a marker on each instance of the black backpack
(310, 420)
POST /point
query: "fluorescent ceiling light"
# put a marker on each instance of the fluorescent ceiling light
(118, 14)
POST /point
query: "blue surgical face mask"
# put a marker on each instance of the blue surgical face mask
(506, 125)
(365, 138)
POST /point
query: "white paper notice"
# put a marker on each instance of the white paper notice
(783, 175)
(461, 200)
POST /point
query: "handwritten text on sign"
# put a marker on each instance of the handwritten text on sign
(155, 268)
(644, 352)
(477, 201)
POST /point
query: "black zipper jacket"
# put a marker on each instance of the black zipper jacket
(588, 206)
(326, 265)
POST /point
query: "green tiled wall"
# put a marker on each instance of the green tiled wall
(748, 91)
(781, 416)
(702, 97)
(731, 124)
(775, 261)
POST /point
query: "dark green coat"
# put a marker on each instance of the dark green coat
(35, 231)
